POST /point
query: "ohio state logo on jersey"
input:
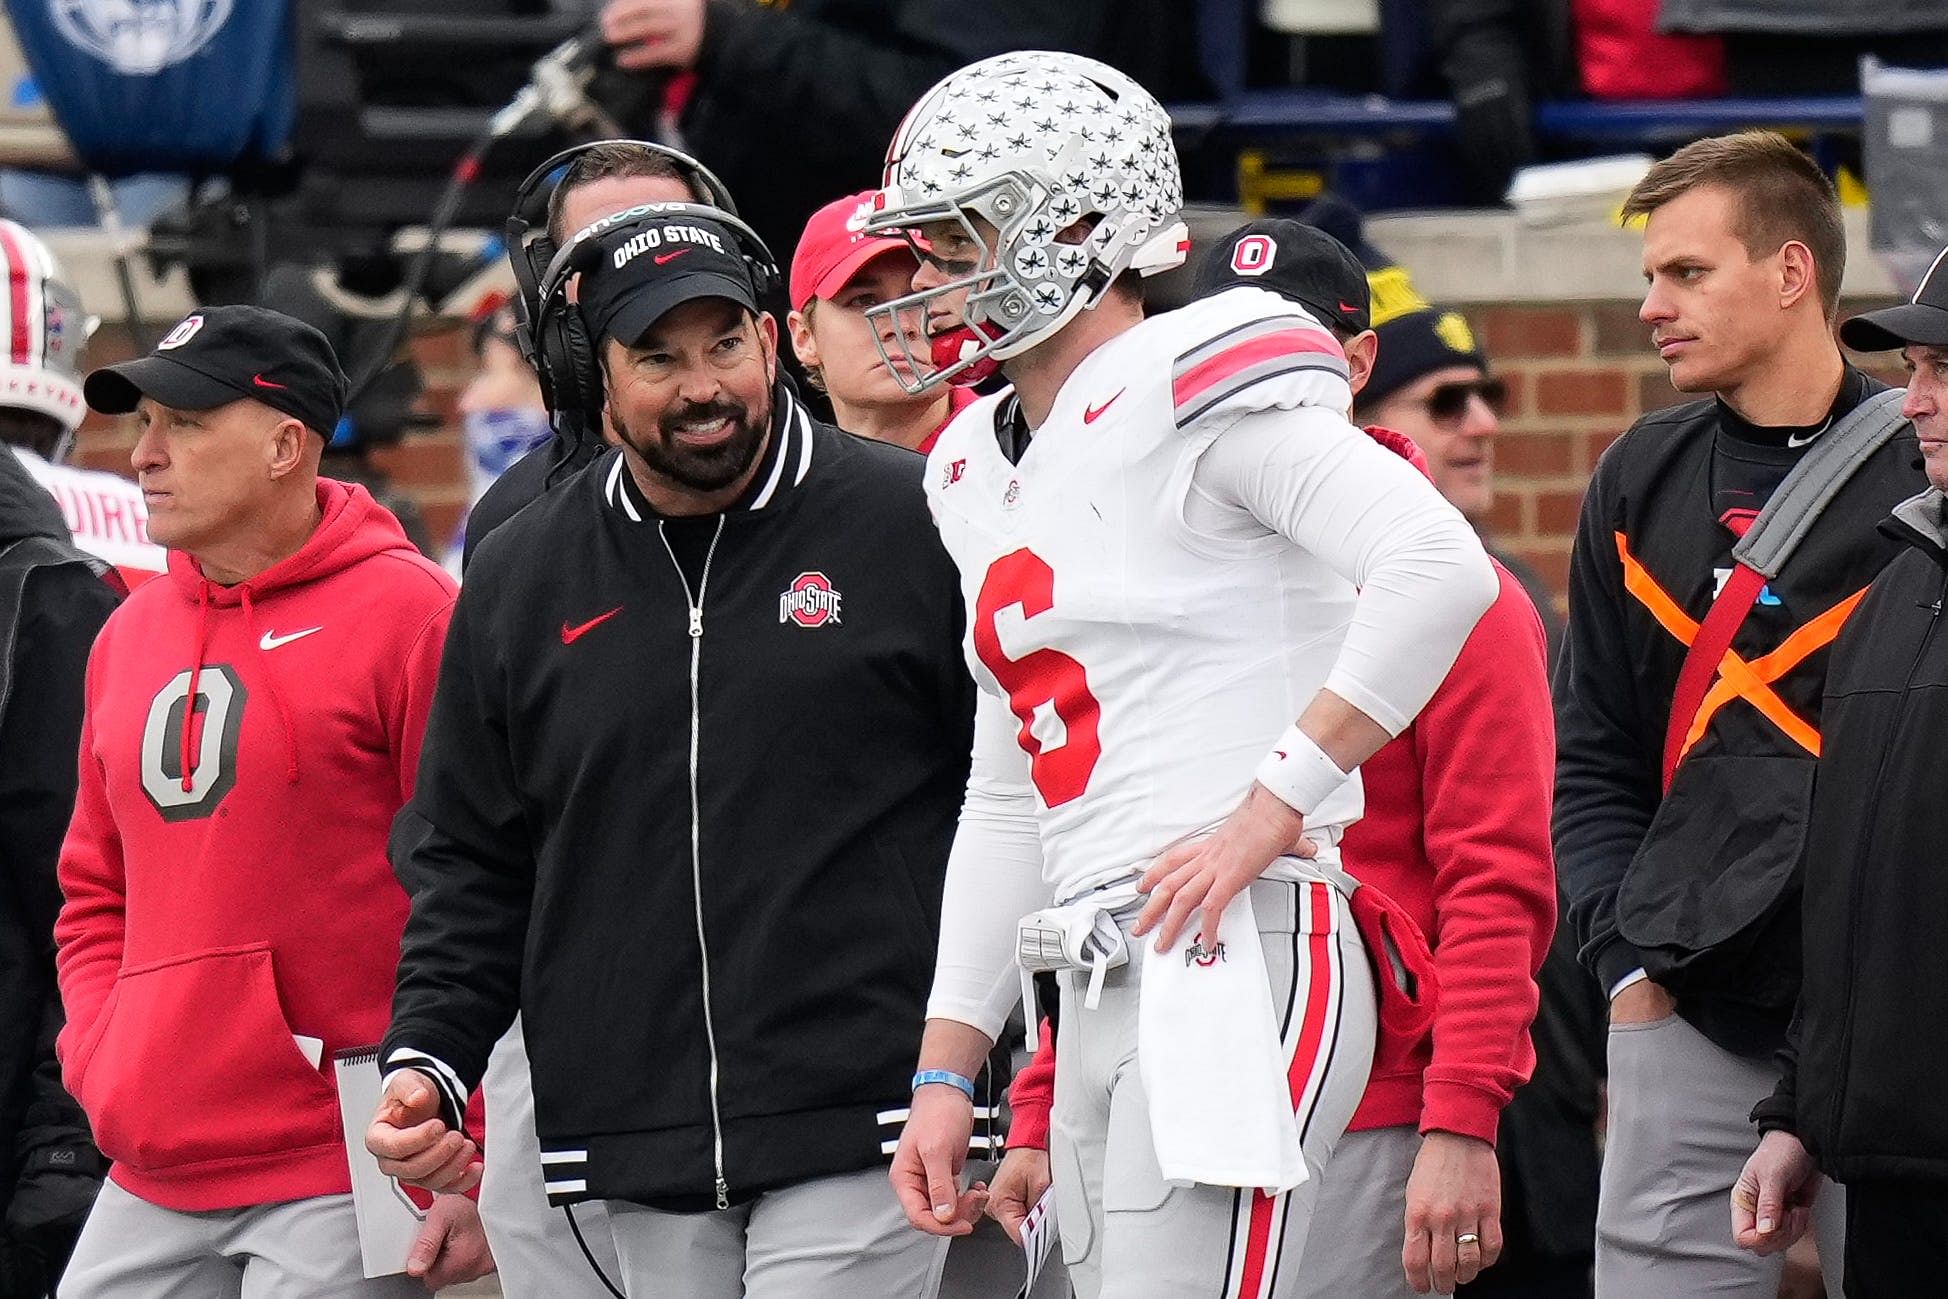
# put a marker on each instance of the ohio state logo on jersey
(810, 601)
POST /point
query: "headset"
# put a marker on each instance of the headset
(564, 353)
(531, 249)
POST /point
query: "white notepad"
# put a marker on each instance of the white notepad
(1038, 1237)
(388, 1221)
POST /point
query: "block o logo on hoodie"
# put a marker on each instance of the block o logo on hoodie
(219, 712)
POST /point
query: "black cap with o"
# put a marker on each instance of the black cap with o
(218, 355)
(1296, 261)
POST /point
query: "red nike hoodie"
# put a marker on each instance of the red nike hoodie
(226, 883)
(1457, 832)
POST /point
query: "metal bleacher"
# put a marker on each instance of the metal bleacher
(1328, 131)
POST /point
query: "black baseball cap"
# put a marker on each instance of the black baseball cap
(1922, 319)
(645, 268)
(223, 354)
(1296, 261)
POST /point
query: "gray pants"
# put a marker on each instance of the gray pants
(534, 1251)
(1127, 1233)
(830, 1238)
(301, 1249)
(1359, 1224)
(1680, 1131)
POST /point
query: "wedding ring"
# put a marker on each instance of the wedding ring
(1467, 1238)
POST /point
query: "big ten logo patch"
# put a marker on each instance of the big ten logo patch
(810, 601)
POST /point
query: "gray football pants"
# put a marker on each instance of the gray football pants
(1680, 1131)
(534, 1250)
(1127, 1233)
(300, 1249)
(840, 1237)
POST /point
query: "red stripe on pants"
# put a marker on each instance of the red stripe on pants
(1305, 1060)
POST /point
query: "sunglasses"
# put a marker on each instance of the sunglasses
(1448, 404)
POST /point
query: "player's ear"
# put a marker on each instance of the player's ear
(1362, 350)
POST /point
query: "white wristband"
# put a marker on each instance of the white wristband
(1299, 772)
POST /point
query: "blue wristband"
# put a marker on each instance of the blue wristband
(947, 1076)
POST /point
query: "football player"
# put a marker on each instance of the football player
(1172, 543)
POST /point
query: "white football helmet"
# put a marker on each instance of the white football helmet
(1033, 142)
(42, 313)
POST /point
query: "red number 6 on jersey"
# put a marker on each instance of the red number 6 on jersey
(1046, 676)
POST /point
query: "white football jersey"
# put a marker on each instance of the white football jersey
(1148, 665)
(106, 514)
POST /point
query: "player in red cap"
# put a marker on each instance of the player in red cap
(837, 274)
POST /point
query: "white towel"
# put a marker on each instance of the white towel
(1207, 1043)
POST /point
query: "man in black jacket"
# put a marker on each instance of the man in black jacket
(604, 179)
(686, 801)
(53, 600)
(1856, 1097)
(1677, 837)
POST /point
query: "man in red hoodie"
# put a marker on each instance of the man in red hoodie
(252, 726)
(1457, 831)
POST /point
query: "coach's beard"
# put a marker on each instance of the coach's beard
(710, 467)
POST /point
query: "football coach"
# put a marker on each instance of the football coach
(694, 764)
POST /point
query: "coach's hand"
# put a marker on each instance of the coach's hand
(452, 1245)
(1018, 1186)
(1455, 1190)
(413, 1143)
(927, 1166)
(1772, 1201)
(1205, 874)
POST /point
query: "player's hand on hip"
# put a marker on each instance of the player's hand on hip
(1454, 1212)
(1772, 1201)
(927, 1166)
(1205, 874)
(414, 1144)
(654, 33)
(1018, 1186)
(452, 1245)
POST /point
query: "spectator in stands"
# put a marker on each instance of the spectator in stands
(41, 407)
(53, 600)
(792, 103)
(502, 415)
(1682, 792)
(252, 725)
(836, 274)
(1856, 1099)
(607, 177)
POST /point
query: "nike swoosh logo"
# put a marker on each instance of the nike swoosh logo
(569, 635)
(262, 382)
(1091, 414)
(670, 257)
(272, 640)
(1794, 442)
(1349, 310)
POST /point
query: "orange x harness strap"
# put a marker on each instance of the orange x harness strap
(1698, 697)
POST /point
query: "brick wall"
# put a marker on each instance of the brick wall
(1578, 375)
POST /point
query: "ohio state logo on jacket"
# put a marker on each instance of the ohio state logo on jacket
(810, 601)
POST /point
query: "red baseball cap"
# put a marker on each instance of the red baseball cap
(833, 248)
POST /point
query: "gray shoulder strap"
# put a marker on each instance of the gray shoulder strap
(1816, 480)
